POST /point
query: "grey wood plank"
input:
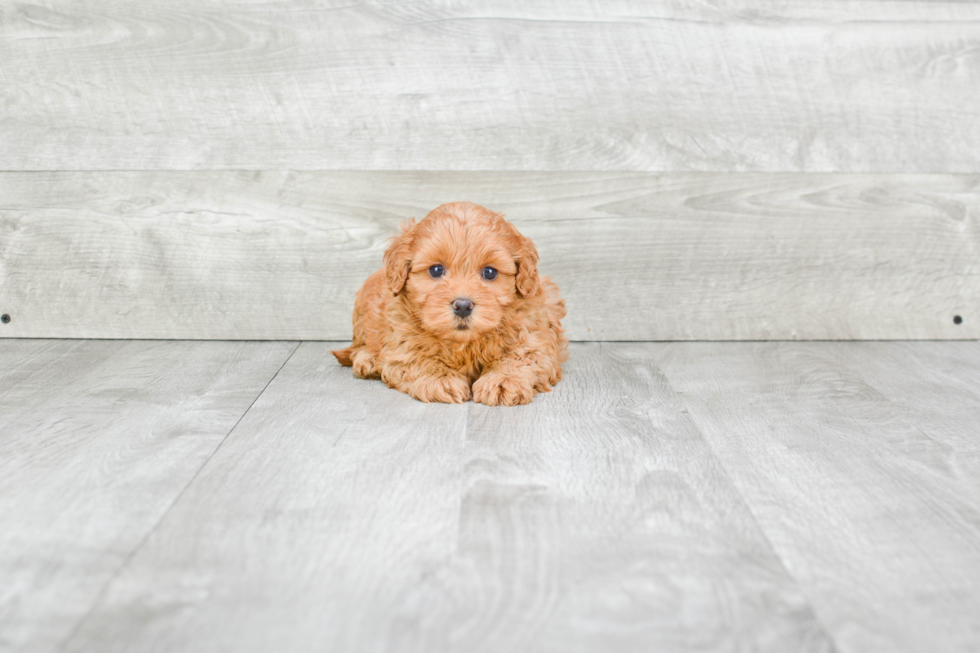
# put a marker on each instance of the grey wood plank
(279, 255)
(597, 519)
(860, 86)
(873, 516)
(332, 497)
(342, 515)
(98, 439)
(936, 387)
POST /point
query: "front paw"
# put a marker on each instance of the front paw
(502, 389)
(443, 389)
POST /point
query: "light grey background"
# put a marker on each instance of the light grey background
(714, 170)
(726, 170)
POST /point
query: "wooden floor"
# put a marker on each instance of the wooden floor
(253, 496)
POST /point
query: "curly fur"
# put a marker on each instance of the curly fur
(510, 348)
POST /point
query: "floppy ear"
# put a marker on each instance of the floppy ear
(527, 268)
(398, 259)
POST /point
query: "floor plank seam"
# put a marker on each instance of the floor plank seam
(748, 507)
(142, 543)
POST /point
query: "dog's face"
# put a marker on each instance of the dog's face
(461, 268)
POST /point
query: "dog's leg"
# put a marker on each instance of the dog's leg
(506, 384)
(363, 362)
(517, 377)
(360, 358)
(428, 381)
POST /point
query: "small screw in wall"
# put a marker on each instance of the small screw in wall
(5, 318)
(956, 319)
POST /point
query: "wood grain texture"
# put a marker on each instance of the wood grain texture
(334, 496)
(871, 507)
(279, 255)
(741, 85)
(97, 441)
(597, 519)
(342, 515)
(933, 385)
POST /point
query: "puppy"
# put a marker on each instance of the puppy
(459, 312)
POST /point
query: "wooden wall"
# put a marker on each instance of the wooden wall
(742, 169)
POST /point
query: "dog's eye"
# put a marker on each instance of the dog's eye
(489, 273)
(436, 271)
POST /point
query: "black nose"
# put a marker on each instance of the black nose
(462, 307)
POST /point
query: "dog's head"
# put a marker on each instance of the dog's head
(460, 269)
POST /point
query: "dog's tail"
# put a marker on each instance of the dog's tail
(344, 356)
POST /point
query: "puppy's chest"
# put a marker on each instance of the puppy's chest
(471, 361)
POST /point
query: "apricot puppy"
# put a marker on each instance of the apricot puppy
(458, 312)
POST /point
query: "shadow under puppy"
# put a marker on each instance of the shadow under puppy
(458, 312)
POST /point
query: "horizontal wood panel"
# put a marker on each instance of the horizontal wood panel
(279, 255)
(745, 85)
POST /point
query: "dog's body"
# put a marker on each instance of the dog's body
(459, 312)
